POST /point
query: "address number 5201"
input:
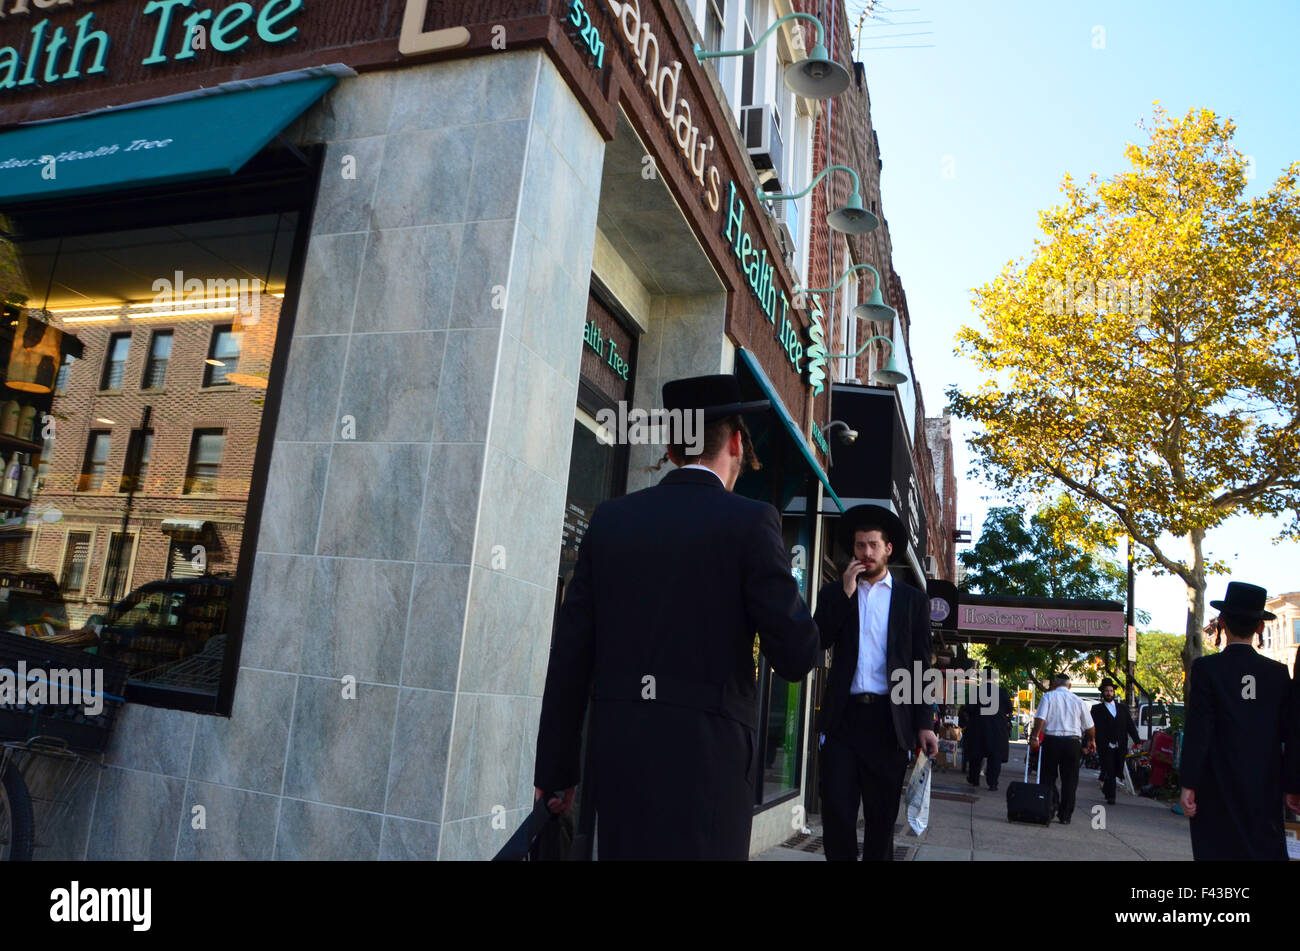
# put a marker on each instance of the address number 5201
(589, 34)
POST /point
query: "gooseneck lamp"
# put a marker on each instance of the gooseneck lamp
(816, 76)
(889, 374)
(852, 218)
(875, 307)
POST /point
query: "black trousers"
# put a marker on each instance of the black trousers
(861, 763)
(1112, 767)
(992, 767)
(1061, 756)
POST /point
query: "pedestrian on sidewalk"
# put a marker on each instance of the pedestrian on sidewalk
(1240, 712)
(1112, 720)
(657, 629)
(986, 735)
(1067, 733)
(877, 627)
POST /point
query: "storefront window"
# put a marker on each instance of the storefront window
(143, 450)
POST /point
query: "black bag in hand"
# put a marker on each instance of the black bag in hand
(543, 837)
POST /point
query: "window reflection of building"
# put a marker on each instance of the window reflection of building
(144, 474)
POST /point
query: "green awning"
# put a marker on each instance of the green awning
(788, 432)
(200, 137)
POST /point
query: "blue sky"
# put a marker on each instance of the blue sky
(1014, 95)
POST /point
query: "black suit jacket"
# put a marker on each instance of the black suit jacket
(1112, 729)
(1232, 753)
(987, 732)
(908, 642)
(657, 627)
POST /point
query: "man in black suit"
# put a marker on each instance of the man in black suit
(657, 627)
(1240, 712)
(986, 733)
(878, 629)
(1112, 719)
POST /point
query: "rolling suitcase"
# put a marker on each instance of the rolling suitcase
(1031, 802)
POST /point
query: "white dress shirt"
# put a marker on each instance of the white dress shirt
(872, 674)
(1063, 714)
(696, 465)
(1110, 708)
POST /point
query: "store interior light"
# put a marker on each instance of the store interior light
(816, 76)
(185, 312)
(852, 218)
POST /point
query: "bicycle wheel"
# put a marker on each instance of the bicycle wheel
(17, 825)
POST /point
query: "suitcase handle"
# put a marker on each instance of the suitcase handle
(1040, 764)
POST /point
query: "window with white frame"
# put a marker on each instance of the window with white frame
(713, 24)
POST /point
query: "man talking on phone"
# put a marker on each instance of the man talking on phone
(876, 626)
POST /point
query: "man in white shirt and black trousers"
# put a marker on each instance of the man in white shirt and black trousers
(876, 626)
(1066, 724)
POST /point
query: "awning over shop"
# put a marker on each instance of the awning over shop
(173, 141)
(1072, 623)
(786, 456)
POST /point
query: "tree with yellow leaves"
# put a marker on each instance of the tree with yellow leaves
(1145, 358)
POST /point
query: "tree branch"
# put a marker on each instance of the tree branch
(1147, 542)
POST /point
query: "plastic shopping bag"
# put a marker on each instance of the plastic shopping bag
(917, 794)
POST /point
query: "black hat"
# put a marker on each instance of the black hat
(1244, 601)
(1106, 682)
(718, 395)
(861, 515)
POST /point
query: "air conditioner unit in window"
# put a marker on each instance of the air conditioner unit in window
(931, 566)
(787, 241)
(760, 126)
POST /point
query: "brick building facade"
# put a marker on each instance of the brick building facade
(191, 399)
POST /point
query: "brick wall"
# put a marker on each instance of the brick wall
(179, 407)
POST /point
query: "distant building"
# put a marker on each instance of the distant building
(1283, 635)
(943, 544)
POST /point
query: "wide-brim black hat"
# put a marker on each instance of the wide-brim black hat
(860, 515)
(1244, 601)
(717, 395)
(1105, 682)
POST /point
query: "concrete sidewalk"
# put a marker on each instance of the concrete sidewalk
(969, 823)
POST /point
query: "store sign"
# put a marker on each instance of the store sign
(594, 339)
(1040, 620)
(663, 80)
(758, 273)
(58, 53)
(415, 39)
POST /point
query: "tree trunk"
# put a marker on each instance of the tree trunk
(1193, 645)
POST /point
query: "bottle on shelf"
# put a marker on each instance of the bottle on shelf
(9, 411)
(27, 477)
(27, 422)
(13, 473)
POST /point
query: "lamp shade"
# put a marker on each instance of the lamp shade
(875, 308)
(889, 374)
(817, 76)
(34, 356)
(853, 218)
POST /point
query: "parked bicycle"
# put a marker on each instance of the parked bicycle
(48, 749)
